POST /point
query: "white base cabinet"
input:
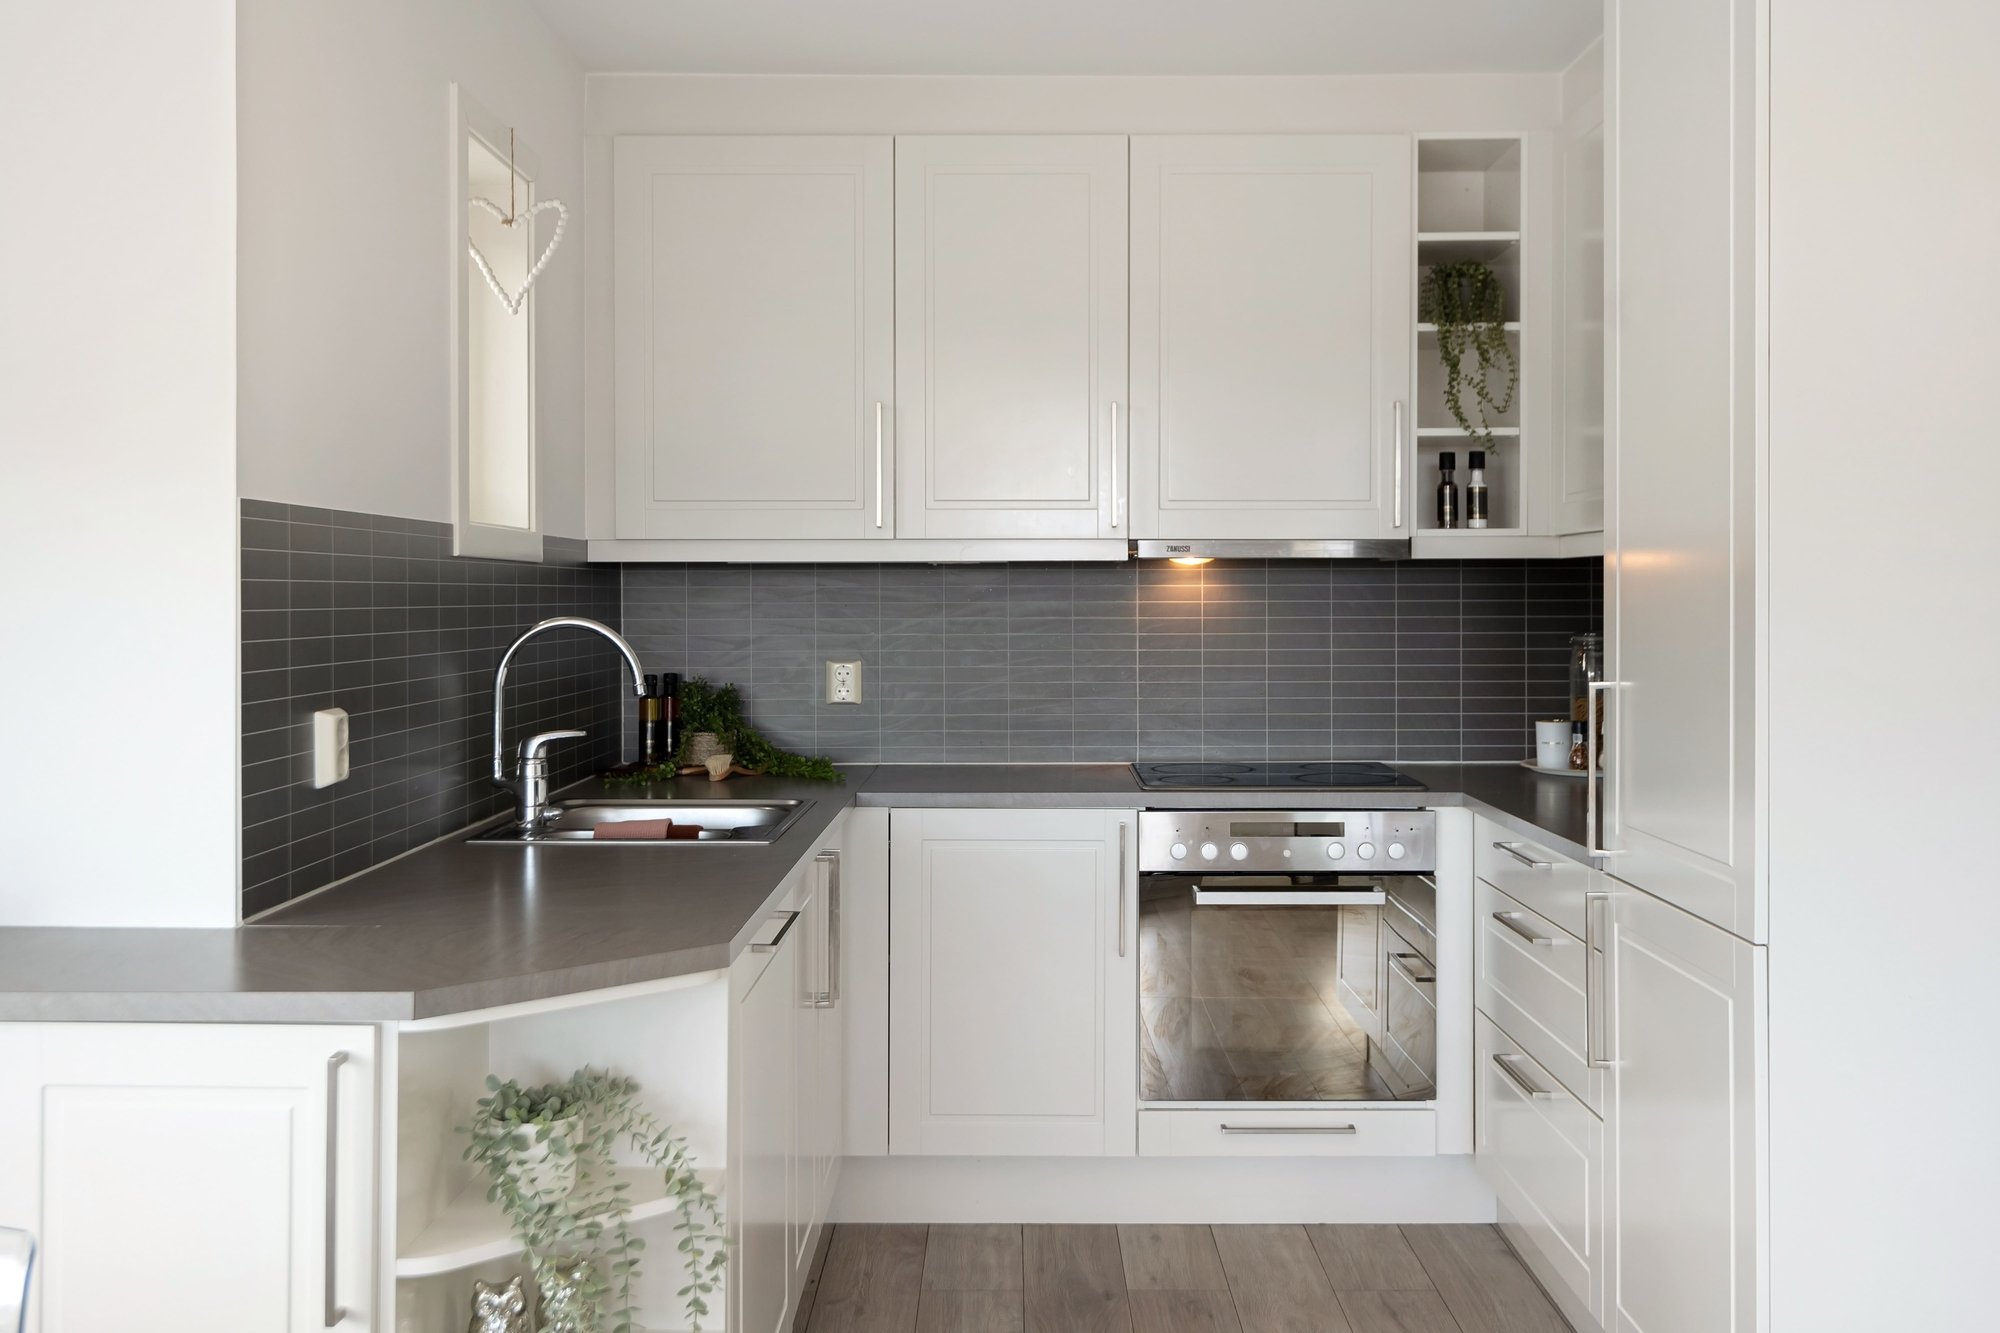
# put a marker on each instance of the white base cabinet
(787, 1098)
(1684, 1145)
(192, 1177)
(1013, 1010)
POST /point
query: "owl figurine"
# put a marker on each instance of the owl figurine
(565, 1307)
(499, 1309)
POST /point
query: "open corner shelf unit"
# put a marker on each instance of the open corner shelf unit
(1470, 206)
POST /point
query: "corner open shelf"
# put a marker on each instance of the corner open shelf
(469, 1230)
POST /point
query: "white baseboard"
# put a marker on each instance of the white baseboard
(1161, 1189)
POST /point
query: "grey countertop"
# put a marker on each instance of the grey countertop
(455, 927)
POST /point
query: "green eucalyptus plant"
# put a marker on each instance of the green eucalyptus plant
(1467, 304)
(548, 1156)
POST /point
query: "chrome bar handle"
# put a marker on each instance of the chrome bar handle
(1117, 491)
(1505, 1064)
(1398, 444)
(1593, 730)
(770, 945)
(1121, 888)
(1289, 1129)
(334, 1313)
(1512, 921)
(1594, 978)
(1402, 969)
(1513, 849)
(830, 966)
(878, 463)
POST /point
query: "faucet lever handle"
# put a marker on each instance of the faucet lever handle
(531, 748)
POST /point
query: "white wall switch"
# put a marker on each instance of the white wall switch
(329, 746)
(843, 682)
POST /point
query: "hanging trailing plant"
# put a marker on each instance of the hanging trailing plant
(548, 1154)
(1467, 304)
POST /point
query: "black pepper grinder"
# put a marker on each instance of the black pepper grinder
(1447, 491)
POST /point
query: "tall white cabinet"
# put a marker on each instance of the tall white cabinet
(1013, 1009)
(197, 1176)
(754, 336)
(1683, 597)
(1010, 336)
(1271, 291)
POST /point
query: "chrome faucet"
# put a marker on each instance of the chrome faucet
(530, 784)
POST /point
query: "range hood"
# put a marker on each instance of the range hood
(1202, 550)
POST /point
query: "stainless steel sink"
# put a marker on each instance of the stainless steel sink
(573, 822)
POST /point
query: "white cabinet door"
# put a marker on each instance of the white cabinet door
(1013, 983)
(1010, 335)
(829, 1104)
(177, 1176)
(808, 955)
(1683, 1123)
(1577, 462)
(754, 336)
(1271, 291)
(1681, 536)
(763, 1032)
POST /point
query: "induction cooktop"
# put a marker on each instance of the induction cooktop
(1330, 775)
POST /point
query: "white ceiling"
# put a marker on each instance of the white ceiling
(1074, 36)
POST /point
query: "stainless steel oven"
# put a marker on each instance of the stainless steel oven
(1271, 956)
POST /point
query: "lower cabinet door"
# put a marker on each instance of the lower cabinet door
(807, 953)
(1013, 983)
(1542, 1150)
(177, 1176)
(763, 1030)
(1683, 1111)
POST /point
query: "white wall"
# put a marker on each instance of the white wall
(345, 151)
(760, 104)
(1884, 573)
(118, 462)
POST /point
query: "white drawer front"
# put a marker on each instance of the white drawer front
(1271, 1133)
(1530, 981)
(1543, 1153)
(1553, 885)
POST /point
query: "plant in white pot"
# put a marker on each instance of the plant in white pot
(549, 1157)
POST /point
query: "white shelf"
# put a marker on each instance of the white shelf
(469, 1230)
(1450, 247)
(1457, 433)
(1511, 326)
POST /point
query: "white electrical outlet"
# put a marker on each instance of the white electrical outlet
(329, 746)
(843, 682)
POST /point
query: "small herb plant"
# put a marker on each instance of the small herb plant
(548, 1156)
(1466, 303)
(719, 709)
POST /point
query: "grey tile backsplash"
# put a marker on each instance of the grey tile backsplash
(963, 663)
(373, 615)
(1057, 662)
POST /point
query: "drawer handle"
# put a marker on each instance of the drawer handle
(333, 1312)
(1403, 969)
(767, 946)
(1505, 1063)
(1289, 1129)
(1512, 920)
(1513, 849)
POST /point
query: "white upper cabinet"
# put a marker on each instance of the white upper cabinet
(754, 334)
(1010, 335)
(1271, 316)
(1682, 596)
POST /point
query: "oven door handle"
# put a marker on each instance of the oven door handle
(1281, 897)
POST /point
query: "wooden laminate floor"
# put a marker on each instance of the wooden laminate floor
(1173, 1279)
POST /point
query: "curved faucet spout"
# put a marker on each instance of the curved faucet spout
(500, 777)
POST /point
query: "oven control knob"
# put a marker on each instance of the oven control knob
(1334, 851)
(1208, 851)
(1237, 851)
(1178, 851)
(1396, 850)
(1366, 851)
